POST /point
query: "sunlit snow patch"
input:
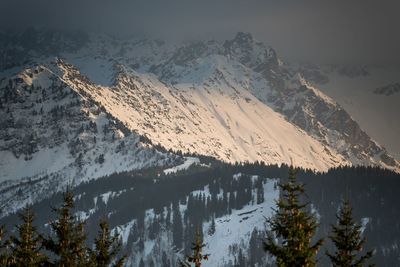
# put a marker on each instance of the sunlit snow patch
(189, 161)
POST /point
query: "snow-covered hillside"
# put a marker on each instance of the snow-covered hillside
(230, 233)
(205, 116)
(237, 228)
(52, 136)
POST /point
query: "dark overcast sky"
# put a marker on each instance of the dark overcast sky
(355, 31)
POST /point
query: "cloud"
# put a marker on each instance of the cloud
(327, 31)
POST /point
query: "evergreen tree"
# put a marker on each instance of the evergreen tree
(107, 248)
(165, 261)
(293, 226)
(240, 261)
(256, 251)
(154, 228)
(346, 235)
(231, 202)
(26, 249)
(5, 259)
(69, 244)
(197, 255)
(101, 159)
(260, 194)
(168, 217)
(212, 229)
(141, 263)
(177, 227)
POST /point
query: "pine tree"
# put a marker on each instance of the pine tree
(241, 261)
(5, 259)
(107, 248)
(141, 263)
(165, 261)
(346, 235)
(168, 217)
(212, 229)
(69, 244)
(177, 226)
(197, 255)
(260, 193)
(256, 251)
(26, 249)
(293, 226)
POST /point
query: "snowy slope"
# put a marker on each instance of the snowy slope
(206, 116)
(237, 227)
(189, 161)
(232, 231)
(256, 67)
(52, 136)
(306, 106)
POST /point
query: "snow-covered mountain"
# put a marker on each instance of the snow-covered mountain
(236, 101)
(370, 94)
(52, 136)
(215, 119)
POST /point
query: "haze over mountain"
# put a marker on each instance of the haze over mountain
(352, 32)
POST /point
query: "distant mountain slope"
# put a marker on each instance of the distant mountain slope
(368, 94)
(306, 106)
(388, 90)
(51, 136)
(257, 68)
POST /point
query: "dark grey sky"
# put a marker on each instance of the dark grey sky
(355, 31)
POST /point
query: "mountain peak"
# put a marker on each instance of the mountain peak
(243, 38)
(242, 41)
(250, 52)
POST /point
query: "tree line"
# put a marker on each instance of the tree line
(289, 239)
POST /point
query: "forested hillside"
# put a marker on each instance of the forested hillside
(157, 215)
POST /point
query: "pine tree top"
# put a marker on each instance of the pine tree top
(107, 247)
(348, 240)
(293, 226)
(197, 255)
(70, 237)
(26, 248)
